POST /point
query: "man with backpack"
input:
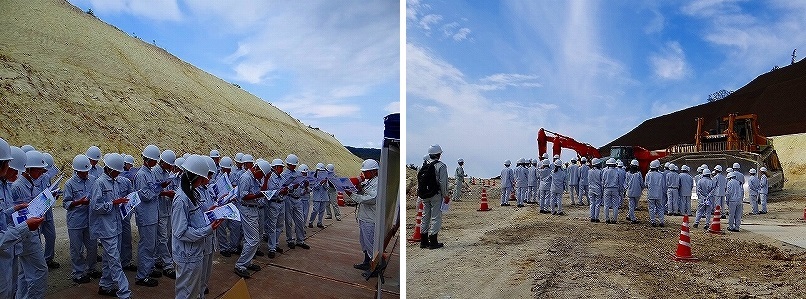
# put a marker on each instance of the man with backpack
(432, 188)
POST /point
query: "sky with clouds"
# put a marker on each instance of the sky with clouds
(484, 76)
(334, 65)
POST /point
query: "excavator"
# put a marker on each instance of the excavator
(623, 153)
(734, 139)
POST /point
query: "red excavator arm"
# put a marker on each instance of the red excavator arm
(560, 142)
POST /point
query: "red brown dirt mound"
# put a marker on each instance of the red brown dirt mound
(776, 97)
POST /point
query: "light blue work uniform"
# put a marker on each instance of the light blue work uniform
(521, 182)
(367, 213)
(734, 193)
(634, 184)
(763, 191)
(595, 191)
(105, 225)
(583, 184)
(10, 235)
(544, 189)
(250, 213)
(573, 182)
(672, 192)
(190, 232)
(719, 193)
(686, 188)
(655, 183)
(612, 198)
(507, 179)
(294, 219)
(147, 220)
(755, 188)
(557, 188)
(533, 179)
(83, 249)
(48, 227)
(126, 233)
(163, 251)
(705, 199)
(319, 197)
(33, 271)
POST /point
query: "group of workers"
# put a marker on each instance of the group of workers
(669, 188)
(176, 235)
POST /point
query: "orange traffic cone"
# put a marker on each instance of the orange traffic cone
(716, 225)
(416, 236)
(340, 199)
(683, 253)
(483, 207)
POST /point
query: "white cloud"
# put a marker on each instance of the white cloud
(310, 106)
(670, 64)
(501, 81)
(656, 24)
(461, 34)
(393, 107)
(428, 20)
(161, 10)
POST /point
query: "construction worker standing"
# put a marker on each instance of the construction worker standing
(147, 216)
(33, 270)
(162, 174)
(76, 201)
(332, 195)
(507, 181)
(705, 197)
(656, 187)
(721, 185)
(249, 201)
(533, 182)
(583, 182)
(460, 180)
(672, 190)
(734, 193)
(319, 194)
(573, 180)
(432, 205)
(557, 188)
(545, 186)
(521, 182)
(94, 154)
(610, 183)
(190, 231)
(366, 197)
(294, 219)
(764, 189)
(634, 184)
(105, 225)
(595, 189)
(754, 186)
(686, 187)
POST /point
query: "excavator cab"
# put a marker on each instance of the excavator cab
(624, 154)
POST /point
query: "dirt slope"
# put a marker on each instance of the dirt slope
(69, 80)
(776, 97)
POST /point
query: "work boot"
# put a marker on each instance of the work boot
(424, 241)
(432, 239)
(365, 265)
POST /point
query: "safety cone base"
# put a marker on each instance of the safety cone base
(684, 258)
(485, 210)
(716, 232)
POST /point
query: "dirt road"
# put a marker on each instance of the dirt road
(519, 253)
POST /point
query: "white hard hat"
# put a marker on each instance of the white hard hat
(671, 166)
(225, 162)
(265, 167)
(556, 156)
(584, 159)
(303, 168)
(238, 157)
(704, 167)
(93, 153)
(611, 161)
(210, 164)
(34, 159)
(27, 148)
(654, 164)
(507, 162)
(546, 162)
(706, 171)
(247, 158)
(330, 168)
(729, 170)
(168, 156)
(666, 164)
(752, 171)
(215, 154)
(186, 155)
(369, 164)
(151, 152)
(426, 158)
(521, 161)
(699, 169)
(558, 162)
(620, 163)
(128, 159)
(685, 168)
(320, 166)
(291, 159)
(545, 155)
(534, 161)
(5, 150)
(81, 163)
(595, 161)
(114, 161)
(434, 149)
(197, 165)
(573, 159)
(19, 159)
(763, 169)
(179, 161)
(731, 175)
(736, 166)
(634, 162)
(48, 159)
(460, 160)
(718, 168)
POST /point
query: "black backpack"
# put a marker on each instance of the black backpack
(427, 184)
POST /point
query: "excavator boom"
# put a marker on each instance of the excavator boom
(559, 142)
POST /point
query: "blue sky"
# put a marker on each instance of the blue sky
(332, 64)
(484, 76)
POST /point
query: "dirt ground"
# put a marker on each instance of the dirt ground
(519, 253)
